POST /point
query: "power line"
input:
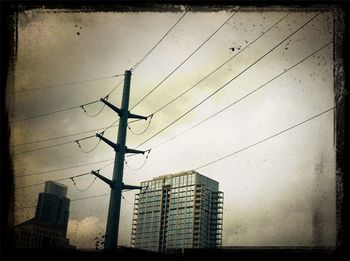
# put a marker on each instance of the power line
(71, 177)
(97, 196)
(223, 64)
(142, 132)
(68, 142)
(93, 115)
(268, 138)
(60, 137)
(82, 106)
(66, 168)
(141, 144)
(71, 167)
(71, 200)
(54, 145)
(52, 112)
(129, 203)
(115, 88)
(92, 149)
(173, 71)
(208, 97)
(72, 134)
(66, 84)
(42, 183)
(83, 190)
(161, 39)
(214, 161)
(65, 109)
(142, 165)
(242, 98)
(46, 147)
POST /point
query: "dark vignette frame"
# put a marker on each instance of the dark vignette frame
(9, 11)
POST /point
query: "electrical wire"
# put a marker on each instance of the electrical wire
(93, 115)
(88, 151)
(114, 88)
(105, 129)
(107, 165)
(216, 91)
(52, 112)
(42, 183)
(210, 73)
(60, 137)
(266, 139)
(242, 98)
(207, 164)
(67, 84)
(97, 196)
(71, 200)
(217, 160)
(66, 168)
(223, 64)
(161, 39)
(201, 79)
(52, 146)
(67, 109)
(42, 148)
(139, 145)
(141, 166)
(76, 141)
(188, 57)
(76, 176)
(126, 200)
(83, 190)
(72, 134)
(148, 125)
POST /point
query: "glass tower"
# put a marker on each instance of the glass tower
(178, 211)
(53, 206)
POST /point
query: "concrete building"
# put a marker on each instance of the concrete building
(53, 206)
(178, 211)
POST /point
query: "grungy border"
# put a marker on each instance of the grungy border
(341, 21)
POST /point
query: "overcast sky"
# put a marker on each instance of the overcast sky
(272, 191)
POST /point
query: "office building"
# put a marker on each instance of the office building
(178, 211)
(35, 234)
(53, 206)
(48, 228)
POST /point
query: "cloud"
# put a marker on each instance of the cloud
(83, 232)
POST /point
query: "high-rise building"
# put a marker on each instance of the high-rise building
(178, 211)
(55, 188)
(53, 206)
(48, 228)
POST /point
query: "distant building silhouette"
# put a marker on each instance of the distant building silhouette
(178, 211)
(48, 228)
(53, 206)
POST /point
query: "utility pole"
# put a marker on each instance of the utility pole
(116, 184)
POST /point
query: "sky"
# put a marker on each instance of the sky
(272, 191)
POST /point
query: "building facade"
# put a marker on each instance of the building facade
(34, 234)
(178, 211)
(53, 206)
